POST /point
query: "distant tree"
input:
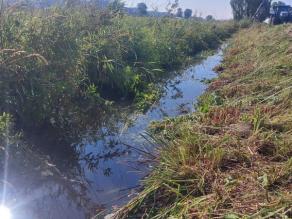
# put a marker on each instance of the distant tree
(72, 3)
(142, 8)
(238, 9)
(209, 18)
(263, 10)
(188, 13)
(116, 6)
(278, 3)
(179, 12)
(250, 8)
(172, 7)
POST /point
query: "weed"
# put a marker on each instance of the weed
(257, 121)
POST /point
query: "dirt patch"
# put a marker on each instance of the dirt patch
(233, 160)
(268, 149)
(242, 130)
(223, 116)
(215, 85)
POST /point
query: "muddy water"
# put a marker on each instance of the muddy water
(109, 168)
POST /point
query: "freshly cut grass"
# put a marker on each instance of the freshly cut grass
(232, 158)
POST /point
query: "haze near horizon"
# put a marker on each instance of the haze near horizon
(220, 9)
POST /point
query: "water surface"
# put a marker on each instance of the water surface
(109, 168)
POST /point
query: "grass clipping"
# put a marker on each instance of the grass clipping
(232, 158)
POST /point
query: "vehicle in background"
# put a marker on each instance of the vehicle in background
(280, 14)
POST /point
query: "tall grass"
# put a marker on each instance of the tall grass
(58, 64)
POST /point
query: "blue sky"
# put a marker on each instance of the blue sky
(218, 8)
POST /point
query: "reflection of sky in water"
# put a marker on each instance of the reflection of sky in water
(118, 171)
(180, 95)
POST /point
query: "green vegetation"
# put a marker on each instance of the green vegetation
(59, 65)
(232, 158)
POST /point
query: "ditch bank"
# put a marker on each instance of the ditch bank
(231, 158)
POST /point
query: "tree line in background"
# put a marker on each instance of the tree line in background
(173, 10)
(187, 13)
(242, 9)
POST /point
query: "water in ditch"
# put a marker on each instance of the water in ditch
(110, 167)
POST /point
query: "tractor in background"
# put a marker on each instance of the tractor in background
(280, 13)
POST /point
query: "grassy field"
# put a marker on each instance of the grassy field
(58, 65)
(232, 158)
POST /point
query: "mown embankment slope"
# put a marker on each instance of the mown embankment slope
(231, 159)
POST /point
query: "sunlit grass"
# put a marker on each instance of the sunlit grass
(232, 158)
(60, 60)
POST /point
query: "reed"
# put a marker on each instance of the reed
(58, 60)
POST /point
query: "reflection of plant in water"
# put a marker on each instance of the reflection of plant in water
(33, 171)
(179, 93)
(183, 108)
(107, 172)
(114, 150)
